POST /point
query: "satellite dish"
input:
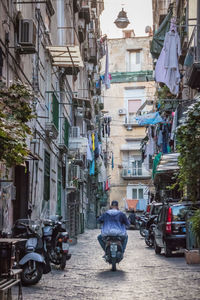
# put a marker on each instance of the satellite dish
(148, 30)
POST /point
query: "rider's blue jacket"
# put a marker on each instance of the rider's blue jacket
(114, 223)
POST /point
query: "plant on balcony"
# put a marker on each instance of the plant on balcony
(188, 144)
(161, 94)
(75, 182)
(15, 112)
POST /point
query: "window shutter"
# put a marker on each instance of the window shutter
(46, 176)
(66, 132)
(55, 111)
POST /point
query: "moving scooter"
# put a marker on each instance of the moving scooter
(113, 250)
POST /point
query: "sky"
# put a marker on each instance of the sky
(139, 13)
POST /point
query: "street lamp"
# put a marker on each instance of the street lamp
(122, 20)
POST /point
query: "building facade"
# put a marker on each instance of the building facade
(54, 48)
(131, 94)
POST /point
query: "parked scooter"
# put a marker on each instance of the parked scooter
(113, 250)
(143, 221)
(33, 259)
(56, 241)
(149, 231)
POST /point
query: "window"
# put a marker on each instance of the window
(137, 194)
(134, 193)
(140, 194)
(134, 105)
(137, 167)
(133, 61)
(55, 111)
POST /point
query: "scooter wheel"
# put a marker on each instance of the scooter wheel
(63, 261)
(31, 275)
(113, 264)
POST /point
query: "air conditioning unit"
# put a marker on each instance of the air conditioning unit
(27, 36)
(122, 111)
(79, 112)
(75, 132)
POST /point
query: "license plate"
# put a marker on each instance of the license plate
(113, 247)
(65, 246)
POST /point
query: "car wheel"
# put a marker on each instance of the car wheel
(167, 250)
(157, 248)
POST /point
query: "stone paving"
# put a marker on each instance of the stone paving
(141, 275)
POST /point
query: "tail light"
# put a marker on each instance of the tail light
(65, 238)
(169, 221)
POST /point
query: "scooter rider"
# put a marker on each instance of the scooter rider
(114, 224)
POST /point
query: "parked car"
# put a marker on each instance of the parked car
(170, 229)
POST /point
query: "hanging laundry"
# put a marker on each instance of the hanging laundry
(89, 154)
(112, 161)
(107, 187)
(103, 130)
(167, 70)
(90, 141)
(93, 143)
(149, 119)
(92, 167)
(96, 142)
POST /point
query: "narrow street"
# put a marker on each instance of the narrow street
(141, 275)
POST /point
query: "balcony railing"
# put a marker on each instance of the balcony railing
(128, 173)
(192, 60)
(77, 141)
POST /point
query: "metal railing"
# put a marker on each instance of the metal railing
(135, 172)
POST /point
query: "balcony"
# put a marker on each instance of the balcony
(92, 50)
(130, 122)
(68, 57)
(192, 61)
(135, 173)
(77, 141)
(52, 118)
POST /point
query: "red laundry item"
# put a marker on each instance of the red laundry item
(107, 186)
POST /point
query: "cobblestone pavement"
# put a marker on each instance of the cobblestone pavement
(141, 275)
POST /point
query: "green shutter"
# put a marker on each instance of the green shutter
(55, 111)
(66, 132)
(46, 176)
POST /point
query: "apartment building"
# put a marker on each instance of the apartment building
(130, 95)
(54, 48)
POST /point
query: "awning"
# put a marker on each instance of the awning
(167, 166)
(131, 204)
(168, 163)
(66, 56)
